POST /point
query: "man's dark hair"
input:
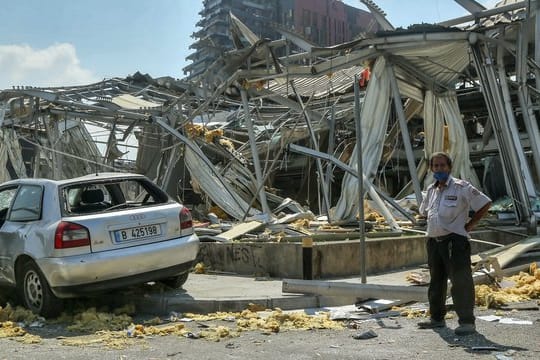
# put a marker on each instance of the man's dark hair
(443, 155)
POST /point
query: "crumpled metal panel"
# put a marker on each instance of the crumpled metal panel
(127, 101)
(338, 82)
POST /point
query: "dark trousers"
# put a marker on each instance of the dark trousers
(450, 258)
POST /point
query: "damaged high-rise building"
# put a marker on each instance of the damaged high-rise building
(320, 22)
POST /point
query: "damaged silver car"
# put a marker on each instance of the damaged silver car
(69, 238)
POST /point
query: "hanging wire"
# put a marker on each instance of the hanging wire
(65, 154)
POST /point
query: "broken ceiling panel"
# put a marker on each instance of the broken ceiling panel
(128, 101)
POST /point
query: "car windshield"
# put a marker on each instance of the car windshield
(115, 194)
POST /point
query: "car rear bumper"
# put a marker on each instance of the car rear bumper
(96, 287)
(73, 275)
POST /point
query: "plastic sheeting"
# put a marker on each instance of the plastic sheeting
(439, 110)
(442, 112)
(374, 121)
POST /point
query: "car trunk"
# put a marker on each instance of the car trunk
(130, 227)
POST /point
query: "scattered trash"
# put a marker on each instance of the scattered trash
(10, 329)
(154, 321)
(529, 305)
(199, 268)
(527, 287)
(503, 320)
(365, 335)
(412, 312)
(37, 324)
(490, 318)
(418, 278)
(375, 306)
(513, 321)
(130, 330)
(485, 348)
(191, 335)
(174, 316)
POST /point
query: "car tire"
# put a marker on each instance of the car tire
(176, 282)
(35, 293)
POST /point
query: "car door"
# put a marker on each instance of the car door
(22, 205)
(7, 194)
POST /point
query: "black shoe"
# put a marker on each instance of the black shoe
(465, 329)
(431, 324)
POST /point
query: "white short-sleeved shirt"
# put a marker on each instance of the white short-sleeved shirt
(447, 208)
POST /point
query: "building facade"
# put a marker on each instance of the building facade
(323, 22)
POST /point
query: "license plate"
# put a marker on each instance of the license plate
(139, 232)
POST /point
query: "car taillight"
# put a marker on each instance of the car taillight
(70, 235)
(186, 222)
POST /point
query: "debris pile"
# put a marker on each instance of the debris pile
(13, 321)
(116, 329)
(92, 320)
(17, 314)
(527, 287)
(247, 320)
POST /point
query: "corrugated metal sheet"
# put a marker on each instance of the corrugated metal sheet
(127, 101)
(338, 82)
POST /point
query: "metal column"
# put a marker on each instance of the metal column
(320, 171)
(404, 133)
(331, 146)
(537, 44)
(523, 92)
(516, 179)
(359, 178)
(256, 162)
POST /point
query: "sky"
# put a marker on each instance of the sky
(75, 42)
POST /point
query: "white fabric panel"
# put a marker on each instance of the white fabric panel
(374, 122)
(439, 111)
(433, 131)
(410, 91)
(459, 145)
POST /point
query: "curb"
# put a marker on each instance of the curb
(184, 303)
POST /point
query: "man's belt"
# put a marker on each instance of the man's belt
(443, 238)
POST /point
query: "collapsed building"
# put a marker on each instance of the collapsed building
(267, 140)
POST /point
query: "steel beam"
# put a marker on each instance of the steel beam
(405, 133)
(255, 154)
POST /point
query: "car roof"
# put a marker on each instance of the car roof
(84, 178)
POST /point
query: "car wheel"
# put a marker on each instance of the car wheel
(176, 282)
(35, 292)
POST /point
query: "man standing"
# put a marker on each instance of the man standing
(446, 206)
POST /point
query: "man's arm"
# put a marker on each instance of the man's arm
(477, 216)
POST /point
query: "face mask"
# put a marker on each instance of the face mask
(441, 176)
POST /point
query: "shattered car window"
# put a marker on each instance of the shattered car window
(84, 198)
(6, 196)
(27, 204)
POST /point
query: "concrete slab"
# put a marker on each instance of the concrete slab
(206, 293)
